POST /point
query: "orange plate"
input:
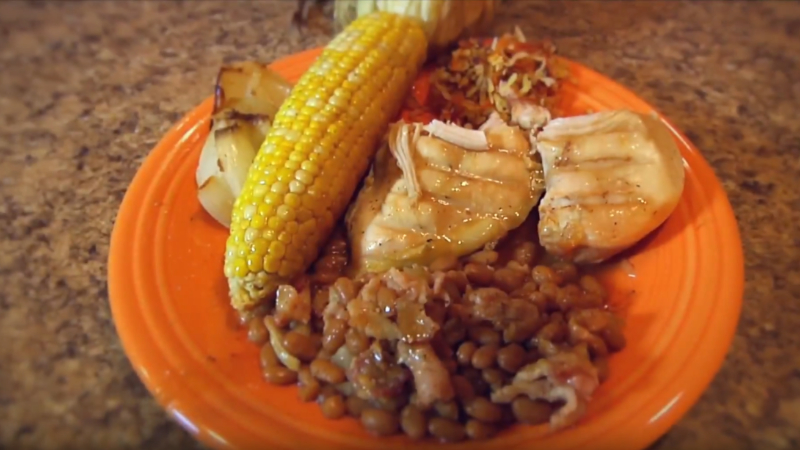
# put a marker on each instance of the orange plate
(170, 305)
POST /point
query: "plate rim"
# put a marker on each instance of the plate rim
(684, 401)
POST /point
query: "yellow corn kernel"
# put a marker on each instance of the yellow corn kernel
(321, 142)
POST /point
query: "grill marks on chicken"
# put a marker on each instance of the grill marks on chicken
(611, 178)
(442, 190)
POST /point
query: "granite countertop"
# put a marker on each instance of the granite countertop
(88, 88)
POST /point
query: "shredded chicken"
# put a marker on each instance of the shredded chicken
(405, 139)
(393, 307)
(431, 378)
(565, 377)
(474, 140)
(503, 312)
(528, 115)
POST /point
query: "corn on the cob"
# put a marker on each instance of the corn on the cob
(320, 144)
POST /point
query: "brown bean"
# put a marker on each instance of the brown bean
(487, 257)
(344, 289)
(308, 392)
(304, 347)
(596, 345)
(522, 330)
(565, 271)
(532, 356)
(459, 279)
(444, 263)
(483, 335)
(463, 354)
(279, 375)
(327, 371)
(601, 364)
(326, 391)
(543, 274)
(511, 357)
(324, 275)
(446, 430)
(391, 404)
(485, 356)
(356, 341)
(320, 301)
(257, 331)
(554, 331)
(454, 331)
(356, 405)
(463, 388)
(495, 378)
(592, 285)
(479, 274)
(582, 350)
(268, 356)
(531, 412)
(477, 430)
(483, 409)
(475, 377)
(542, 302)
(257, 312)
(614, 338)
(334, 335)
(413, 422)
(509, 279)
(569, 296)
(525, 253)
(448, 410)
(333, 407)
(380, 422)
(549, 289)
(590, 301)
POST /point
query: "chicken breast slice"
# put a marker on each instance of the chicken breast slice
(441, 190)
(611, 178)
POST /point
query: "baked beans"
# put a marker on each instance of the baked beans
(530, 411)
(380, 422)
(333, 407)
(413, 422)
(496, 312)
(446, 430)
(279, 375)
(485, 356)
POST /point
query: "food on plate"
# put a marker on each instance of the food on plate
(246, 97)
(312, 159)
(479, 80)
(440, 190)
(444, 305)
(611, 178)
(444, 21)
(457, 349)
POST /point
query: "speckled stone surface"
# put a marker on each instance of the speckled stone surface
(88, 88)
